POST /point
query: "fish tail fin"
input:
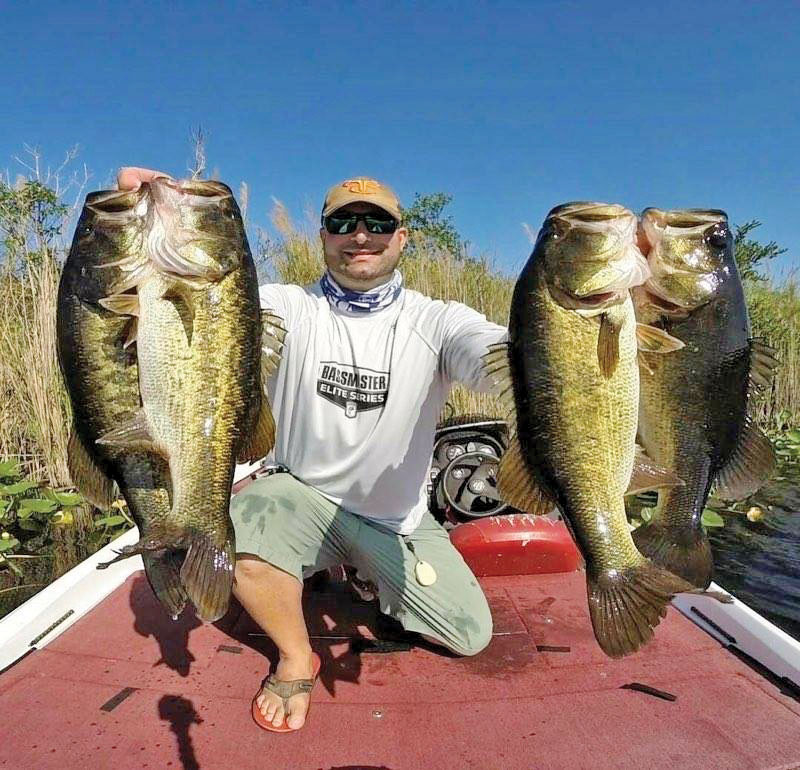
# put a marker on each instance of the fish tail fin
(207, 572)
(626, 605)
(685, 551)
(163, 573)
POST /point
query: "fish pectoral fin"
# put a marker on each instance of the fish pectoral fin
(648, 475)
(262, 438)
(163, 573)
(763, 364)
(134, 272)
(650, 339)
(515, 485)
(133, 333)
(179, 293)
(625, 605)
(121, 304)
(750, 465)
(133, 434)
(608, 345)
(86, 474)
(207, 572)
(273, 335)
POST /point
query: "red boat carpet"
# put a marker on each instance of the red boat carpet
(126, 687)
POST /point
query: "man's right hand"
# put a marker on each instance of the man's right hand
(132, 177)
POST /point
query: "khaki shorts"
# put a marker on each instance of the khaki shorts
(294, 528)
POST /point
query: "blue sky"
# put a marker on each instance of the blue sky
(511, 108)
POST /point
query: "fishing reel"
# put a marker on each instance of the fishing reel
(463, 476)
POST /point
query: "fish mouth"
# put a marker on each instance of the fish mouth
(669, 306)
(112, 203)
(684, 219)
(662, 303)
(577, 212)
(192, 191)
(688, 223)
(599, 300)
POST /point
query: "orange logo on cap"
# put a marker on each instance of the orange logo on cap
(362, 186)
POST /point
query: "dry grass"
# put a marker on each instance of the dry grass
(775, 318)
(34, 411)
(34, 426)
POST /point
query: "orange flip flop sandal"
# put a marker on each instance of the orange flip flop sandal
(284, 689)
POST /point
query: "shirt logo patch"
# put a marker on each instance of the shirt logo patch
(353, 389)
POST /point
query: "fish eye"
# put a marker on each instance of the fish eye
(555, 228)
(717, 236)
(87, 228)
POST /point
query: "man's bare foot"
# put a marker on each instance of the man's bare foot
(132, 177)
(271, 705)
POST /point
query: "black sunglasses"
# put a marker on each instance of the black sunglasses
(344, 224)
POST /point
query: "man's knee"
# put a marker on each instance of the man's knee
(465, 634)
(250, 567)
(475, 637)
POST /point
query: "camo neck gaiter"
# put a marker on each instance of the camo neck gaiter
(361, 301)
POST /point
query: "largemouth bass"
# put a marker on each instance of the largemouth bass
(198, 343)
(694, 403)
(101, 376)
(574, 383)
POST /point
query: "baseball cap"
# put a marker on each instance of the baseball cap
(362, 189)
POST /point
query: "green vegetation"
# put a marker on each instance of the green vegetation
(750, 254)
(46, 526)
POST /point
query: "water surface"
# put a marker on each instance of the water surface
(760, 562)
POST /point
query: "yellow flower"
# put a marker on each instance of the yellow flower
(62, 517)
(755, 514)
(119, 504)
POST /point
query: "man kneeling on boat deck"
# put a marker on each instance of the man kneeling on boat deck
(366, 368)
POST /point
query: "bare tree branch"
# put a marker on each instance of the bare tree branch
(198, 140)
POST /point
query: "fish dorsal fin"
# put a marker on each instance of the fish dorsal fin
(648, 475)
(262, 438)
(608, 345)
(750, 465)
(94, 485)
(133, 434)
(273, 335)
(763, 364)
(121, 304)
(497, 370)
(515, 484)
(650, 339)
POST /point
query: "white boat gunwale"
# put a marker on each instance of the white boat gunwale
(45, 616)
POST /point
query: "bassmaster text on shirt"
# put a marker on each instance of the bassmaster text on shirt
(357, 395)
